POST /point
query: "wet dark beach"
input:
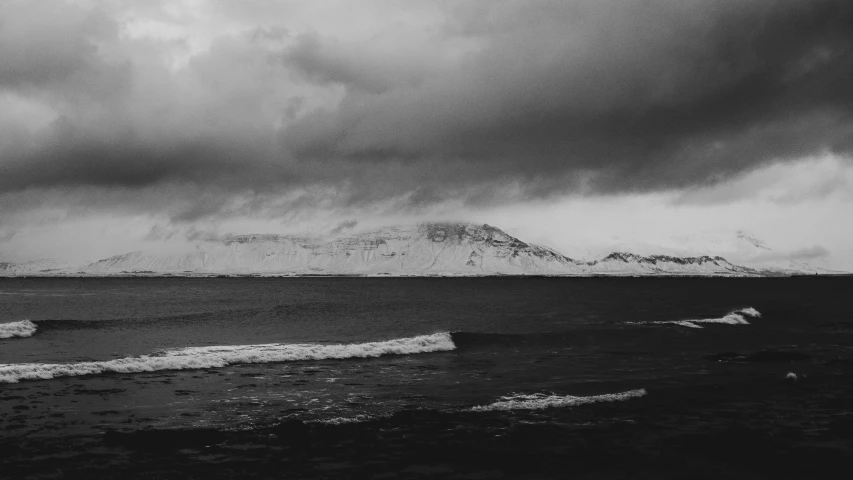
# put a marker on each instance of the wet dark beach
(530, 389)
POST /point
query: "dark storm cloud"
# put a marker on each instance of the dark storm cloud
(83, 158)
(53, 47)
(647, 94)
(495, 101)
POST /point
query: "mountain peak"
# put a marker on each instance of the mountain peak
(430, 248)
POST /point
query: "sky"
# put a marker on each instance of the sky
(656, 126)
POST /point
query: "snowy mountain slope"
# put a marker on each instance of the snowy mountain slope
(434, 248)
(41, 267)
(631, 264)
(424, 249)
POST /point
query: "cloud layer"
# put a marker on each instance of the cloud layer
(218, 107)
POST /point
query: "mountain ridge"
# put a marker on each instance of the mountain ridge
(426, 249)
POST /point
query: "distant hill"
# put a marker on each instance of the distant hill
(451, 249)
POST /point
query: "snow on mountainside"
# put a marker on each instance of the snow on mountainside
(439, 248)
(41, 267)
(631, 264)
(425, 249)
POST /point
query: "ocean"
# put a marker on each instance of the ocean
(493, 377)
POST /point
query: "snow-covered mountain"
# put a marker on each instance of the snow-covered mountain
(36, 267)
(619, 263)
(424, 249)
(434, 248)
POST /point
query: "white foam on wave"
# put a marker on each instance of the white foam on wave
(361, 418)
(749, 311)
(737, 317)
(24, 328)
(729, 319)
(683, 323)
(220, 356)
(540, 400)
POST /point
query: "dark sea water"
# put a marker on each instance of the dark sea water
(477, 378)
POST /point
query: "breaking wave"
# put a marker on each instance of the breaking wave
(24, 328)
(540, 400)
(346, 420)
(749, 311)
(737, 317)
(220, 356)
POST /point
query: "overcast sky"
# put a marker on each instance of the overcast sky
(584, 125)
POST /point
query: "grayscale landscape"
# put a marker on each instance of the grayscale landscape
(431, 239)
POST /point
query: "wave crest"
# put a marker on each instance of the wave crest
(346, 420)
(748, 311)
(736, 317)
(220, 356)
(540, 400)
(24, 328)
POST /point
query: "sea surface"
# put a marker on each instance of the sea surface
(498, 377)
